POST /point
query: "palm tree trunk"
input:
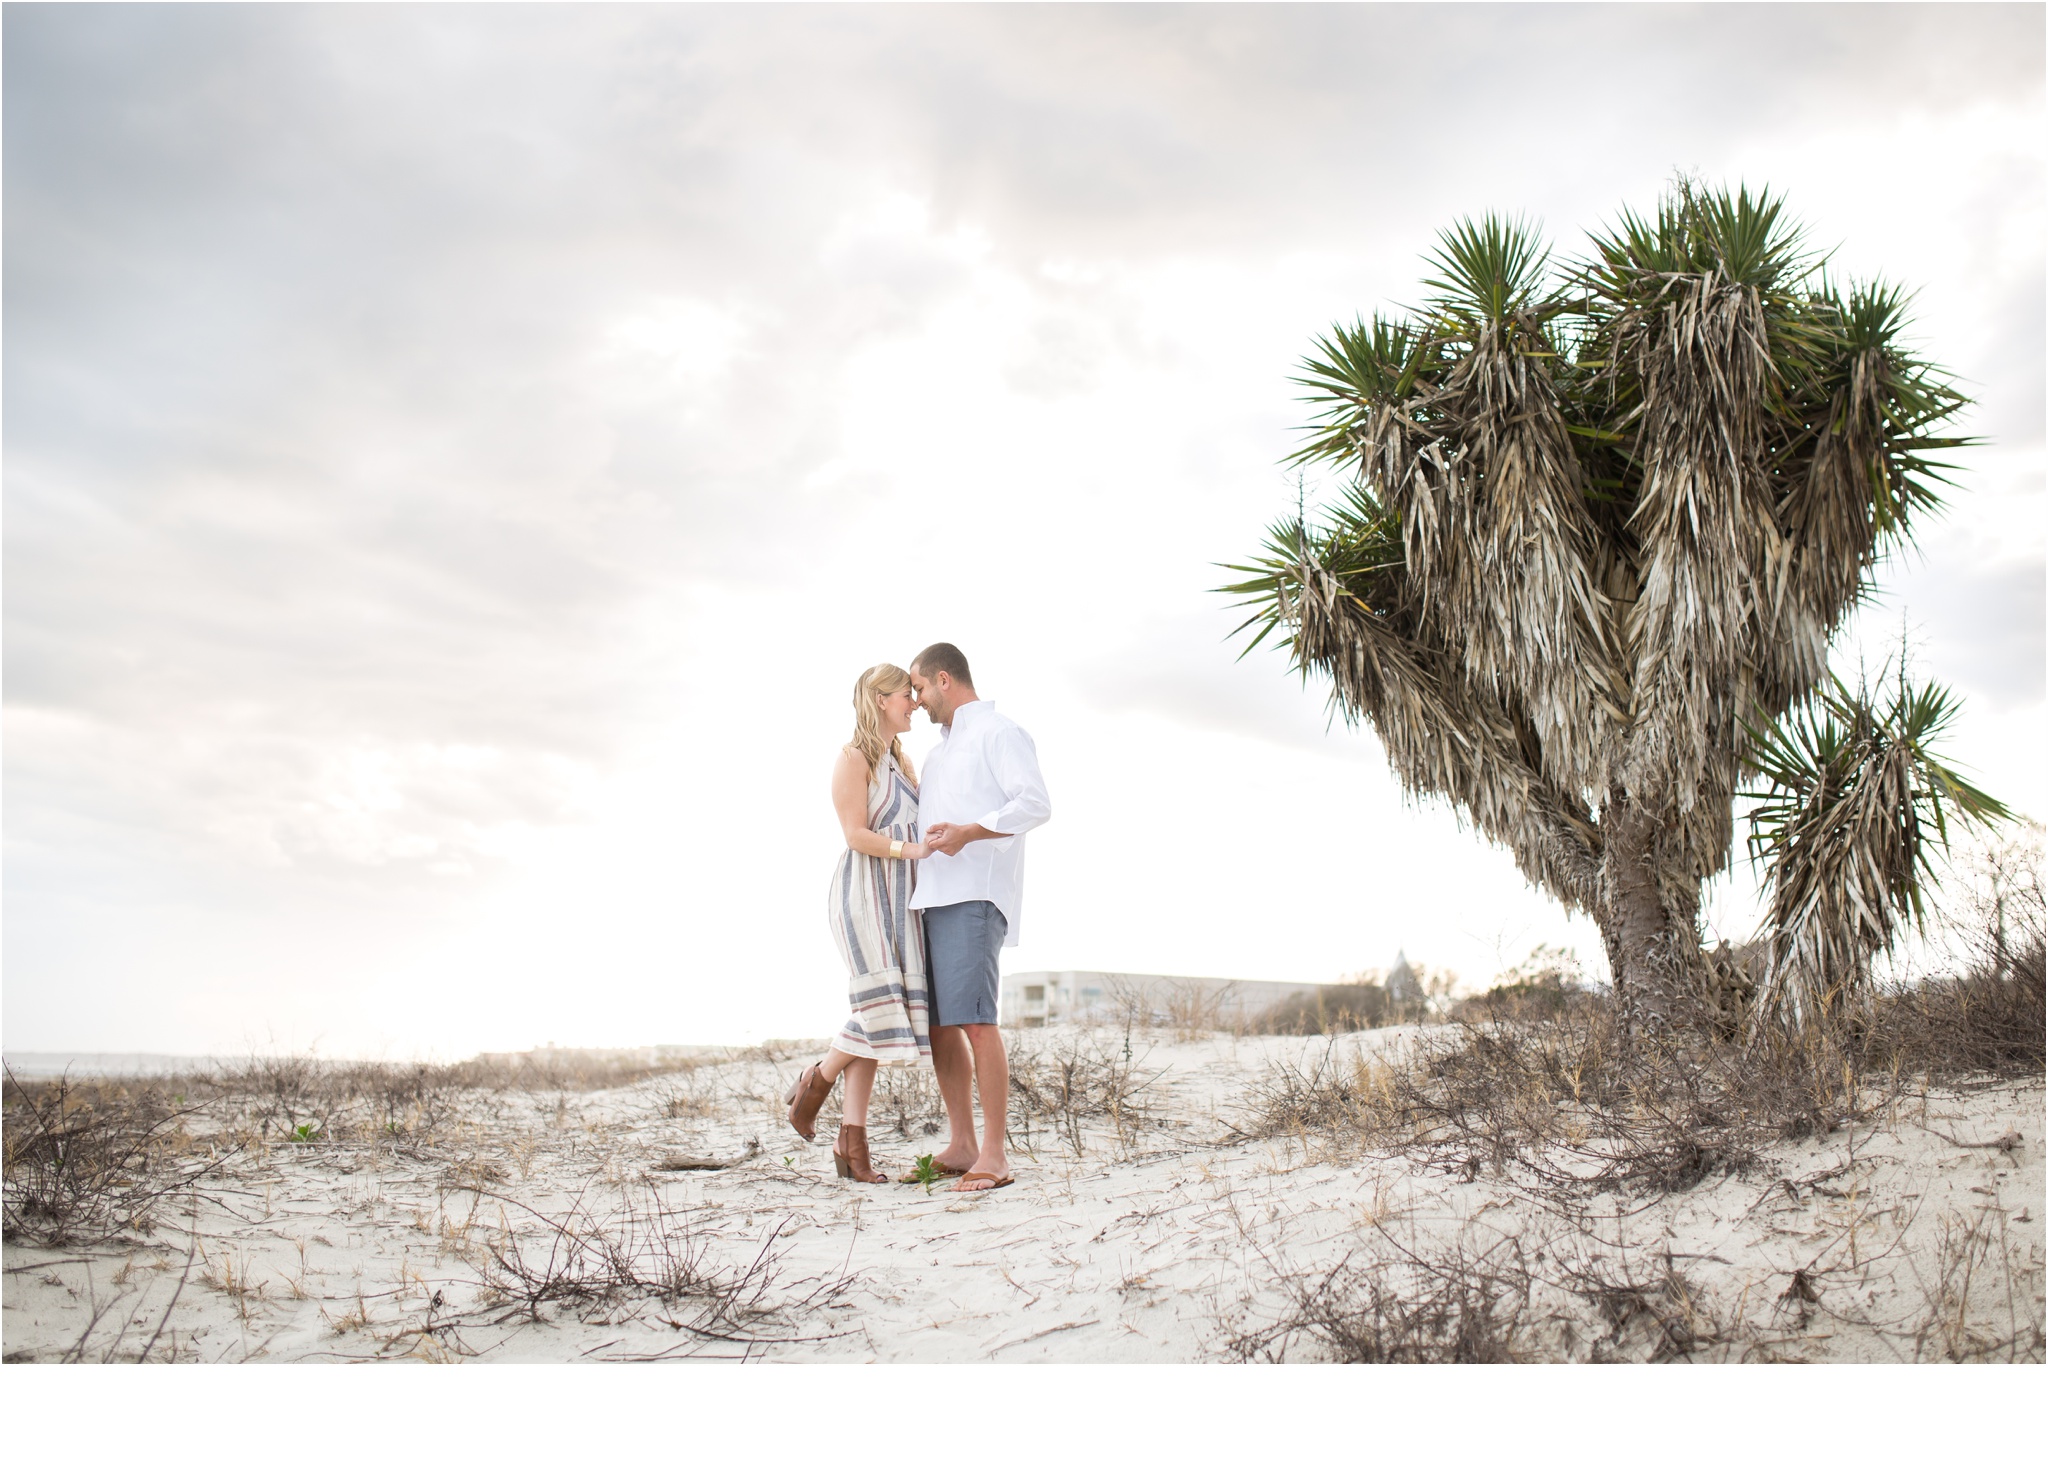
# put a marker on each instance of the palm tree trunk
(1648, 920)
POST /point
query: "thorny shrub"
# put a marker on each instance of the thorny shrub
(1063, 1086)
(647, 1252)
(1462, 1306)
(87, 1162)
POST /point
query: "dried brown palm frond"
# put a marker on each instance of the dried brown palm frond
(1689, 308)
(1602, 525)
(1854, 813)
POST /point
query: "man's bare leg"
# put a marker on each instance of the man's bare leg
(953, 1063)
(992, 1079)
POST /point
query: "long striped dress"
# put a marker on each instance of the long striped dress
(880, 937)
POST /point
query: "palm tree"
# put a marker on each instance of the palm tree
(1602, 522)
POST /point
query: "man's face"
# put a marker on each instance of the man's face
(932, 694)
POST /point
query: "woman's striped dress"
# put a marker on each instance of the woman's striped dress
(880, 937)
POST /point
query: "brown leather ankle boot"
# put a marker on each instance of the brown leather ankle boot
(850, 1155)
(806, 1097)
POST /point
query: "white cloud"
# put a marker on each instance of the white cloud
(671, 344)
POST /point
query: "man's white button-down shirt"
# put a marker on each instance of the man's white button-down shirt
(984, 772)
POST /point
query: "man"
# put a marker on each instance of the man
(980, 792)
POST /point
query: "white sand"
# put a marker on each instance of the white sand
(1160, 1248)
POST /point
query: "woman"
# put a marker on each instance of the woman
(874, 791)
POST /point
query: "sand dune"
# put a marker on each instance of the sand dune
(540, 1224)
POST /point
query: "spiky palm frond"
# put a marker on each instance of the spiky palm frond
(1487, 272)
(1748, 239)
(1355, 371)
(1879, 401)
(1359, 544)
(1853, 812)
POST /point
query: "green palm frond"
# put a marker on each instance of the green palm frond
(1355, 370)
(1851, 451)
(1360, 545)
(1488, 271)
(1749, 239)
(1746, 239)
(1900, 397)
(1270, 588)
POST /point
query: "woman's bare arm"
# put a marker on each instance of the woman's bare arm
(850, 803)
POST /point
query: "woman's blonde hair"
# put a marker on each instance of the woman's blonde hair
(882, 680)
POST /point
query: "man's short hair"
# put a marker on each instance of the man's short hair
(943, 656)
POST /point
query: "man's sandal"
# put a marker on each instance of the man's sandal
(980, 1176)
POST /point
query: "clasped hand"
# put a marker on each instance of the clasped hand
(945, 839)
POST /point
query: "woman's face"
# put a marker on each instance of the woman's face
(896, 710)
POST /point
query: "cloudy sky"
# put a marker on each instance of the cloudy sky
(457, 460)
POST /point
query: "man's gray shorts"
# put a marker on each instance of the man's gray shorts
(963, 943)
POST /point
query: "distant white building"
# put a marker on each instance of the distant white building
(1403, 986)
(1034, 999)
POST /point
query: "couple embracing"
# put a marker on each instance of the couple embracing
(921, 915)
